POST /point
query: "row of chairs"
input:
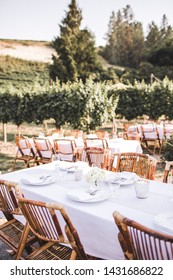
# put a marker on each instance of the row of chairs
(56, 243)
(142, 164)
(148, 135)
(41, 150)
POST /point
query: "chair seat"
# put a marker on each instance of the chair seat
(53, 251)
(11, 232)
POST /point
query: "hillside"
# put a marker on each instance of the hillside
(27, 50)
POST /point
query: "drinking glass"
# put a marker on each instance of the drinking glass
(78, 174)
(142, 188)
(56, 160)
(114, 186)
(63, 171)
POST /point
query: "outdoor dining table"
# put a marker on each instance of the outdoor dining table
(93, 218)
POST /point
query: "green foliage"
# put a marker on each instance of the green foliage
(76, 53)
(16, 73)
(141, 99)
(162, 57)
(81, 105)
(125, 39)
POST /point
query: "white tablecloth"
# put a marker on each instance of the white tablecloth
(119, 145)
(94, 221)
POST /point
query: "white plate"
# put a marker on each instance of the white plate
(124, 178)
(81, 195)
(39, 177)
(165, 221)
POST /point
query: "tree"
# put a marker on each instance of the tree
(159, 43)
(76, 53)
(125, 39)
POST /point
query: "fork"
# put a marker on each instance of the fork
(93, 192)
(44, 177)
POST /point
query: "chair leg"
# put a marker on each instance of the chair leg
(22, 241)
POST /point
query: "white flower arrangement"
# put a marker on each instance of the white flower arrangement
(94, 175)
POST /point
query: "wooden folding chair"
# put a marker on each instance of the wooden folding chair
(141, 243)
(150, 135)
(142, 164)
(44, 151)
(168, 131)
(51, 224)
(133, 133)
(11, 231)
(25, 151)
(66, 149)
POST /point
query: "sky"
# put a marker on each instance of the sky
(39, 19)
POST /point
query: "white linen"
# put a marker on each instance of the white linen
(124, 146)
(85, 195)
(164, 221)
(94, 221)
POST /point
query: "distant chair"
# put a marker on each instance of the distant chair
(168, 131)
(102, 134)
(57, 133)
(66, 149)
(133, 133)
(25, 151)
(141, 243)
(44, 150)
(150, 135)
(141, 164)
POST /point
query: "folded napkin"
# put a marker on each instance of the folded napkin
(45, 179)
(84, 195)
(124, 177)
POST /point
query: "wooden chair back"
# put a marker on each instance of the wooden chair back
(50, 223)
(9, 203)
(12, 230)
(44, 150)
(167, 171)
(96, 143)
(141, 243)
(66, 149)
(98, 156)
(142, 164)
(150, 134)
(25, 151)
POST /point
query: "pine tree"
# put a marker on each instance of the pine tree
(76, 52)
(125, 39)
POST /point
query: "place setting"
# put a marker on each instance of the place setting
(92, 189)
(39, 177)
